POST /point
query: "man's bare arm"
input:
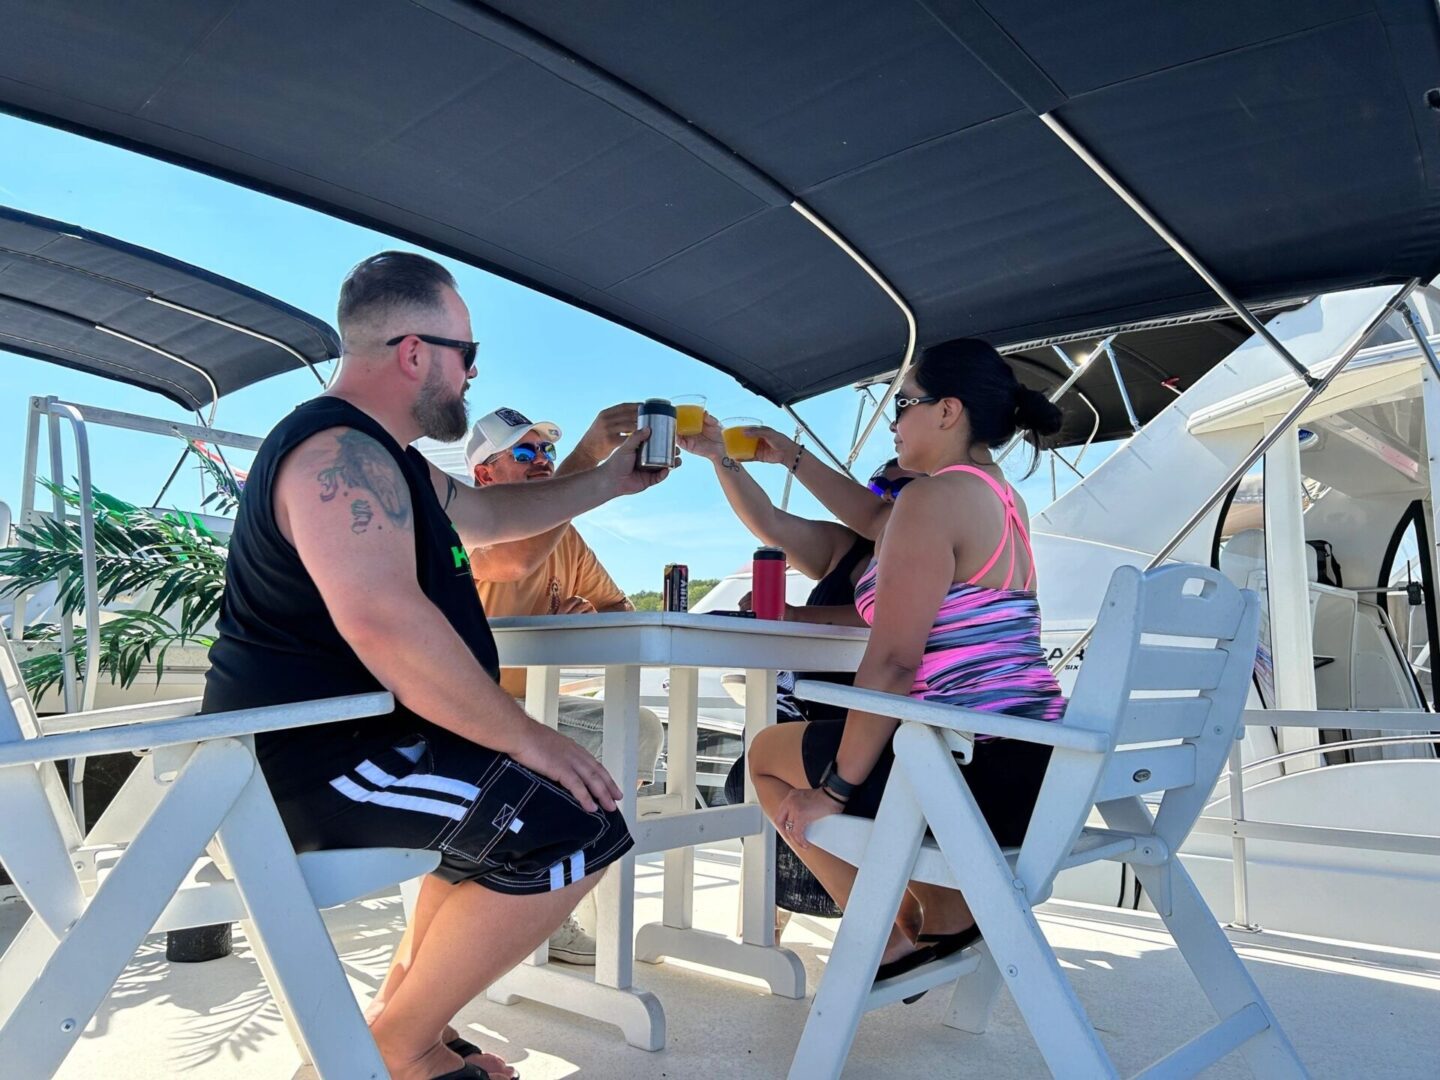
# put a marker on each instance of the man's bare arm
(343, 502)
(503, 512)
(607, 432)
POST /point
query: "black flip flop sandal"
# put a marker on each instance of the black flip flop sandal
(464, 1047)
(465, 1072)
(908, 962)
(949, 944)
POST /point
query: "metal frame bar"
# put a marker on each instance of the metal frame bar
(239, 330)
(1094, 428)
(790, 476)
(1099, 168)
(1345, 744)
(79, 696)
(214, 390)
(841, 465)
(1240, 829)
(1421, 337)
(889, 290)
(1120, 385)
(1076, 371)
(1363, 839)
(27, 497)
(1291, 415)
(1239, 871)
(95, 415)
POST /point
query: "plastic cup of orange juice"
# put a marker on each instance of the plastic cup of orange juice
(738, 445)
(689, 414)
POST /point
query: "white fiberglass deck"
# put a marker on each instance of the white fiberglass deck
(1351, 1010)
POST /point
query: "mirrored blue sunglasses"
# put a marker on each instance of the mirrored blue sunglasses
(526, 452)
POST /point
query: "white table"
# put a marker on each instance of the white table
(623, 643)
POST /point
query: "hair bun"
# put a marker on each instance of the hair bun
(1036, 412)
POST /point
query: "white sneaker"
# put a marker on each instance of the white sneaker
(570, 944)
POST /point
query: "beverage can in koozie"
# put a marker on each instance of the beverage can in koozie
(676, 592)
(767, 583)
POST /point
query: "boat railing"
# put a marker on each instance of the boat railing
(79, 688)
(1418, 727)
(1314, 388)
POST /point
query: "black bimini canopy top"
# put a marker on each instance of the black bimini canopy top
(96, 304)
(725, 177)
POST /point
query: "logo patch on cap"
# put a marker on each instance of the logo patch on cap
(513, 418)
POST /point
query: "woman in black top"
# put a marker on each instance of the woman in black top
(835, 557)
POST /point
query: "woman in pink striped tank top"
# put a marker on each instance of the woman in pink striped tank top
(951, 603)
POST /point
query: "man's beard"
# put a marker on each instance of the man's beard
(444, 419)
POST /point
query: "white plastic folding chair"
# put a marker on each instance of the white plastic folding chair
(192, 838)
(1155, 710)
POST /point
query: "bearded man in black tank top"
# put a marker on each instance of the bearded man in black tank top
(347, 573)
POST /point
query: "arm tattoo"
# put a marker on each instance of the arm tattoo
(360, 515)
(449, 492)
(729, 463)
(362, 466)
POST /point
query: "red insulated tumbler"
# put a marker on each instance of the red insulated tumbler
(767, 583)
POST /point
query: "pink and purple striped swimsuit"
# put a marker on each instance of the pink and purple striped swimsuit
(984, 650)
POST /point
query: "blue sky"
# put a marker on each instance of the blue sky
(538, 355)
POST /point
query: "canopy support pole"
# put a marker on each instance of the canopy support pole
(790, 475)
(1421, 338)
(1258, 451)
(820, 443)
(1076, 370)
(239, 330)
(1124, 390)
(214, 390)
(889, 290)
(1246, 316)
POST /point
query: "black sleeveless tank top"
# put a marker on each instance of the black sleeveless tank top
(277, 642)
(835, 589)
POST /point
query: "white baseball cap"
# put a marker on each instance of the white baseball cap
(501, 430)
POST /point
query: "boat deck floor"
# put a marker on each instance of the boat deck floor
(1351, 1010)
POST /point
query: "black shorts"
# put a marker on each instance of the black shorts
(493, 821)
(1004, 776)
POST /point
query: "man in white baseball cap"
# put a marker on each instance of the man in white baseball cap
(502, 429)
(554, 573)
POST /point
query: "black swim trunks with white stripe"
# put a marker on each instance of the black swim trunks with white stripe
(493, 821)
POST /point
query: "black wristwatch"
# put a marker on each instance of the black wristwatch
(832, 783)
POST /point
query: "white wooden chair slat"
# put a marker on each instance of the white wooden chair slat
(144, 868)
(1139, 772)
(39, 827)
(1205, 612)
(1158, 719)
(1174, 743)
(1168, 667)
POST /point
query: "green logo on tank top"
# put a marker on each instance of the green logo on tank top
(461, 559)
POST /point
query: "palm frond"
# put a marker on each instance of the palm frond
(169, 561)
(127, 642)
(135, 550)
(225, 498)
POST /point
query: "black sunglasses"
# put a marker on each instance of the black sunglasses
(468, 349)
(882, 487)
(903, 403)
(524, 453)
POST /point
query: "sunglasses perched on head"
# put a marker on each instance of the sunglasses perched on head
(883, 487)
(468, 349)
(527, 452)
